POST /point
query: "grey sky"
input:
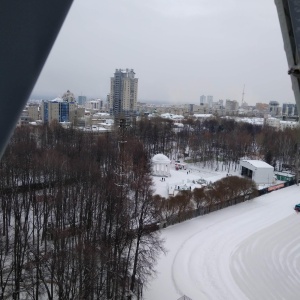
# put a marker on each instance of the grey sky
(179, 49)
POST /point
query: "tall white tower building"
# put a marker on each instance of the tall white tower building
(202, 100)
(123, 93)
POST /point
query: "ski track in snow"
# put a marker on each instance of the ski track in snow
(275, 272)
(248, 251)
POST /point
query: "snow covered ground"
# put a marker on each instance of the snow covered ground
(186, 177)
(247, 251)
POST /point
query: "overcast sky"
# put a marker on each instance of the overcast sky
(179, 50)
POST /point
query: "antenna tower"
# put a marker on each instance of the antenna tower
(243, 94)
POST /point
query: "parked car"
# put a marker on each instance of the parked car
(297, 207)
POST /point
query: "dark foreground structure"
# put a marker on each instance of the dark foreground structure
(289, 18)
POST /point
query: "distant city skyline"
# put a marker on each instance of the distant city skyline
(104, 98)
(181, 50)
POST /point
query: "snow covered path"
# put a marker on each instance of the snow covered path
(248, 251)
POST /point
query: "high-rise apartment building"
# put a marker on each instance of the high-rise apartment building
(68, 97)
(289, 109)
(81, 100)
(274, 108)
(202, 100)
(123, 93)
(209, 100)
(231, 105)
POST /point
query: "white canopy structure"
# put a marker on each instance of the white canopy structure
(160, 165)
(257, 170)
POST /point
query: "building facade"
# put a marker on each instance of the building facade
(274, 108)
(123, 93)
(289, 109)
(95, 105)
(59, 110)
(33, 112)
(81, 100)
(231, 106)
(259, 171)
(68, 97)
(210, 100)
(202, 100)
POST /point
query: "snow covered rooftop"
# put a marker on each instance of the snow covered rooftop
(58, 99)
(285, 174)
(102, 114)
(203, 115)
(160, 158)
(171, 116)
(258, 164)
(254, 121)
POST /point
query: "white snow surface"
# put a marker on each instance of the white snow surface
(186, 177)
(247, 251)
(258, 163)
(160, 158)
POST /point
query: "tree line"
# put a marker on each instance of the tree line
(214, 196)
(75, 215)
(219, 142)
(77, 209)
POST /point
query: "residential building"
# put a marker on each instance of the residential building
(95, 105)
(210, 100)
(59, 110)
(33, 112)
(189, 109)
(262, 107)
(123, 93)
(202, 100)
(24, 118)
(68, 97)
(231, 106)
(81, 100)
(273, 122)
(289, 109)
(279, 124)
(288, 124)
(274, 108)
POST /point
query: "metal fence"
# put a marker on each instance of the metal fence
(186, 215)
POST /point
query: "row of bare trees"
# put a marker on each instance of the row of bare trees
(77, 209)
(219, 143)
(72, 225)
(220, 194)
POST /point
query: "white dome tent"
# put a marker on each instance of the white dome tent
(160, 165)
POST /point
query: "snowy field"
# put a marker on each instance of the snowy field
(247, 251)
(186, 178)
